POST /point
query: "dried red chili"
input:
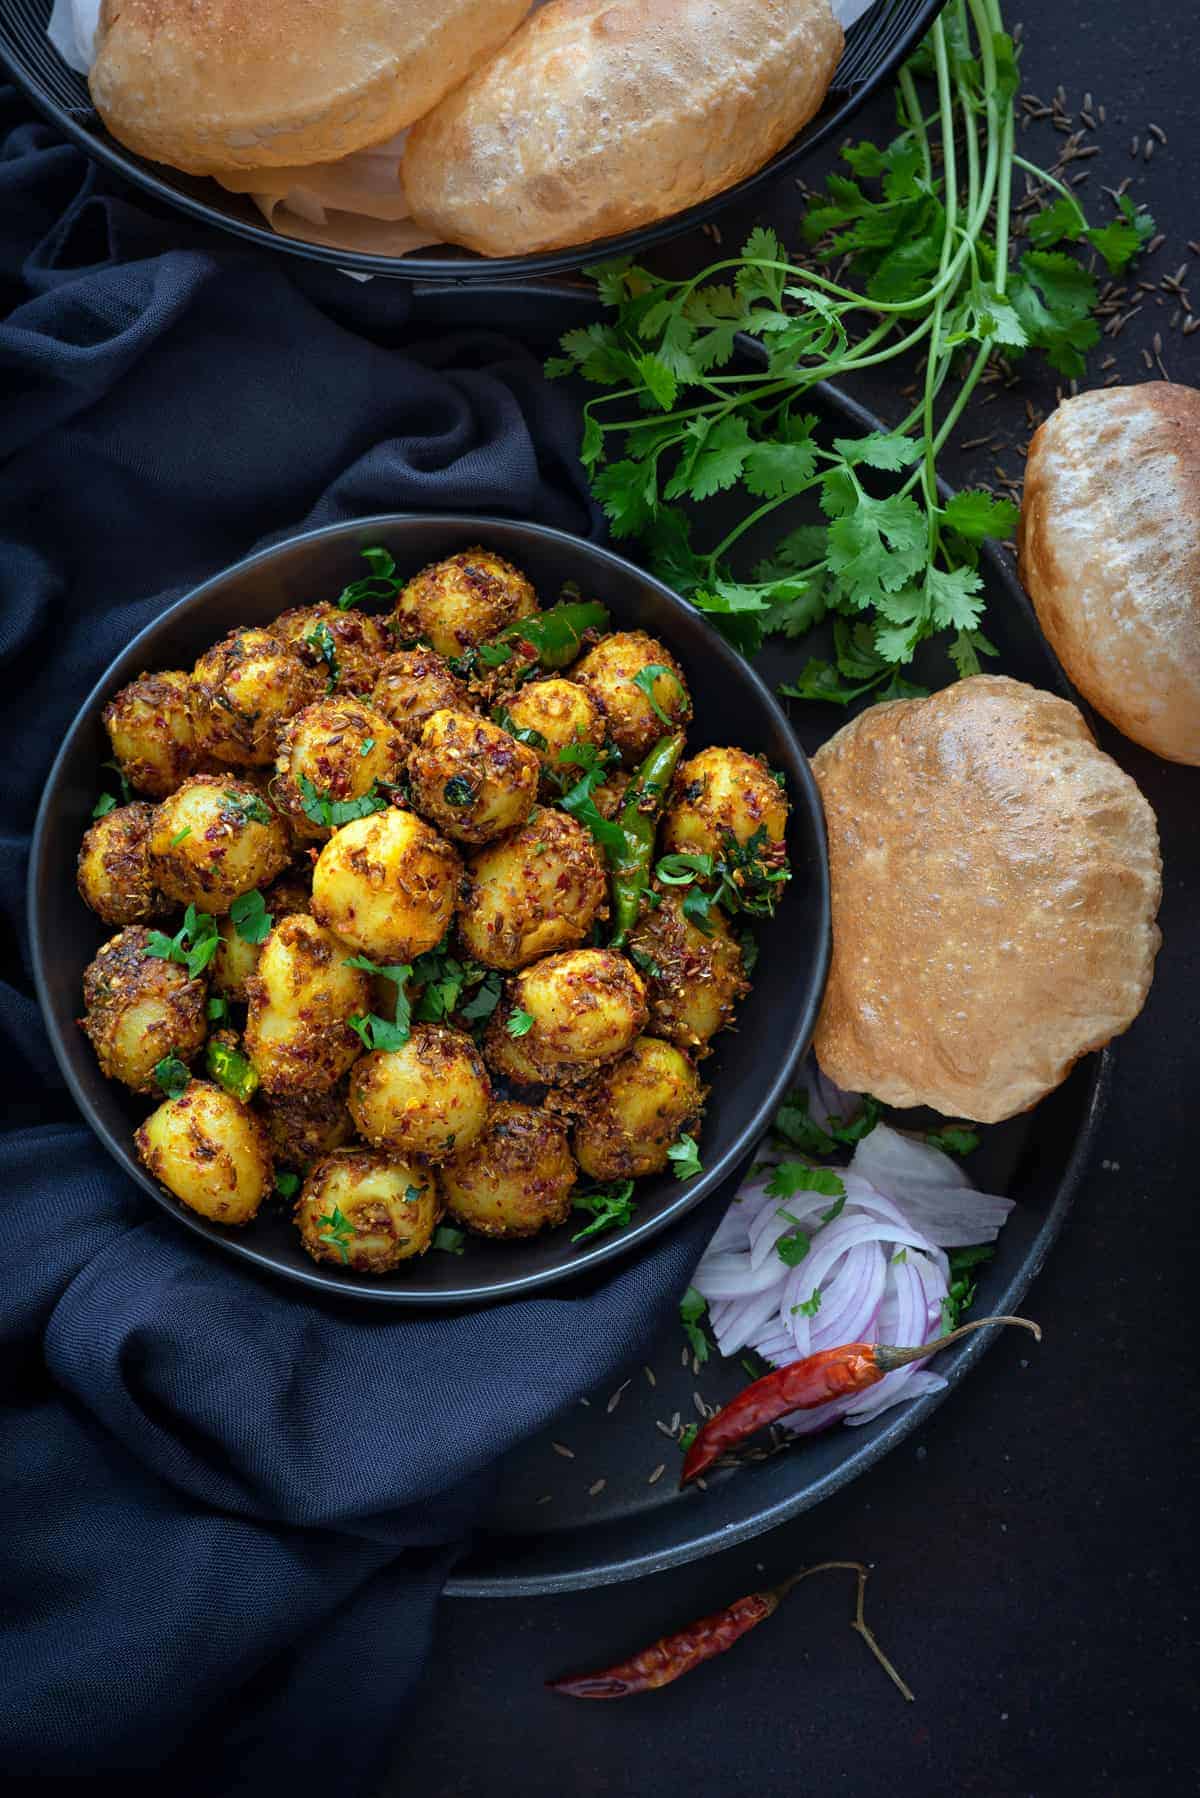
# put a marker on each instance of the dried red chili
(802, 1385)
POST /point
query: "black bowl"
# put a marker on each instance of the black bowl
(752, 1067)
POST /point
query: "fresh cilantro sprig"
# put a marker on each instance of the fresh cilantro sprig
(518, 1022)
(106, 803)
(692, 1307)
(373, 1031)
(193, 945)
(250, 917)
(684, 1156)
(319, 808)
(796, 1125)
(320, 638)
(338, 1232)
(611, 1208)
(381, 584)
(172, 1075)
(579, 802)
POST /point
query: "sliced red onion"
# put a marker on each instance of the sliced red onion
(930, 1188)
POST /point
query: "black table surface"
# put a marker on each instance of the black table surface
(1032, 1549)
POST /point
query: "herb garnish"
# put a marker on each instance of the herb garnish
(952, 1139)
(179, 836)
(644, 680)
(686, 1158)
(320, 638)
(105, 804)
(247, 807)
(518, 1022)
(319, 808)
(217, 1010)
(379, 584)
(383, 1033)
(459, 790)
(791, 1177)
(172, 1075)
(578, 801)
(193, 945)
(611, 1208)
(338, 1232)
(810, 1306)
(448, 1238)
(287, 1184)
(795, 1124)
(250, 917)
(524, 733)
(692, 1307)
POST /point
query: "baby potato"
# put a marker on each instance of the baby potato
(387, 885)
(428, 1098)
(723, 791)
(540, 888)
(507, 1056)
(608, 673)
(339, 747)
(300, 998)
(367, 1210)
(242, 690)
(113, 871)
(635, 1110)
(561, 712)
(304, 1126)
(471, 778)
(210, 1151)
(345, 648)
(413, 683)
(149, 725)
(516, 1178)
(140, 1009)
(587, 1006)
(214, 839)
(693, 981)
(461, 601)
(236, 959)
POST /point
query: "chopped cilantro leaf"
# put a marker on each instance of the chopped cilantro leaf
(449, 1240)
(685, 1157)
(611, 1208)
(250, 917)
(519, 1023)
(172, 1075)
(692, 1307)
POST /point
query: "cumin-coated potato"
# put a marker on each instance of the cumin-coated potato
(720, 791)
(214, 839)
(538, 889)
(113, 871)
(507, 1056)
(428, 1098)
(516, 1178)
(242, 690)
(635, 1110)
(341, 749)
(211, 1151)
(304, 1126)
(367, 1210)
(236, 959)
(560, 711)
(387, 885)
(345, 648)
(693, 981)
(300, 998)
(461, 601)
(471, 778)
(413, 683)
(587, 1006)
(140, 1009)
(608, 673)
(149, 725)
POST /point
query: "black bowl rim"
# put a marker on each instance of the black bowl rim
(805, 797)
(461, 270)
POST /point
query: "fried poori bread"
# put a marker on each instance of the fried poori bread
(219, 85)
(1110, 556)
(995, 882)
(601, 115)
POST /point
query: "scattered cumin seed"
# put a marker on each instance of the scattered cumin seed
(683, 1359)
(560, 1448)
(596, 1488)
(1156, 343)
(1123, 187)
(546, 1498)
(664, 1427)
(1112, 380)
(1147, 358)
(649, 1373)
(1135, 144)
(1109, 362)
(1148, 150)
(1087, 118)
(657, 1474)
(676, 1420)
(586, 1402)
(1173, 321)
(701, 1482)
(1078, 180)
(615, 1400)
(1156, 242)
(1102, 114)
(701, 1407)
(1193, 246)
(1158, 132)
(1190, 324)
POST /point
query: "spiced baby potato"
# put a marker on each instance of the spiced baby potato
(608, 674)
(215, 838)
(471, 778)
(211, 1151)
(562, 713)
(693, 980)
(587, 1006)
(140, 1009)
(149, 725)
(304, 1126)
(538, 889)
(429, 1098)
(635, 1110)
(336, 749)
(412, 684)
(507, 1056)
(387, 885)
(236, 959)
(300, 998)
(345, 648)
(243, 689)
(367, 1210)
(516, 1178)
(723, 791)
(461, 601)
(113, 871)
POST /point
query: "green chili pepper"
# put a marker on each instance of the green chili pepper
(555, 636)
(638, 823)
(231, 1069)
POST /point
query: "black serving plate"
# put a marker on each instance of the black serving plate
(875, 45)
(752, 1068)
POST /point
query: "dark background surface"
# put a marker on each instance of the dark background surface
(1033, 1547)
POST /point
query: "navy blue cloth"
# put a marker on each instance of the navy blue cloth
(227, 1507)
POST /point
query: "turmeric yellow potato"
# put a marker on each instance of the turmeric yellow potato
(516, 1178)
(210, 1151)
(412, 684)
(140, 1009)
(693, 979)
(559, 713)
(538, 889)
(471, 778)
(723, 792)
(367, 1210)
(113, 870)
(304, 1126)
(345, 648)
(387, 885)
(428, 1098)
(332, 753)
(243, 689)
(574, 1011)
(461, 601)
(301, 997)
(215, 838)
(635, 1110)
(609, 673)
(149, 725)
